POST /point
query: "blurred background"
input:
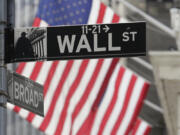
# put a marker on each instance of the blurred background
(157, 39)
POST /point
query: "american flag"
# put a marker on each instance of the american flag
(97, 96)
(141, 127)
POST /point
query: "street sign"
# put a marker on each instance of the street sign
(76, 42)
(25, 93)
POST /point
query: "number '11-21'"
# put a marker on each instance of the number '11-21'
(94, 29)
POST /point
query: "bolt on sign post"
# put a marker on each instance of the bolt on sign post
(76, 42)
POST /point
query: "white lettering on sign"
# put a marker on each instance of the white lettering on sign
(110, 47)
(83, 43)
(127, 36)
(96, 48)
(27, 95)
(66, 41)
(94, 29)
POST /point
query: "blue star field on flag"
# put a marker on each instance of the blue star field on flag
(64, 12)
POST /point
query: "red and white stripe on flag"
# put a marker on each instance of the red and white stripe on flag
(96, 96)
(141, 128)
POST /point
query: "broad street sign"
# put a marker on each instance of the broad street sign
(76, 42)
(25, 93)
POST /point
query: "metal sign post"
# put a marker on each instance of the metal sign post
(3, 86)
(6, 20)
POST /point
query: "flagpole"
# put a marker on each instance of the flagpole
(3, 81)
